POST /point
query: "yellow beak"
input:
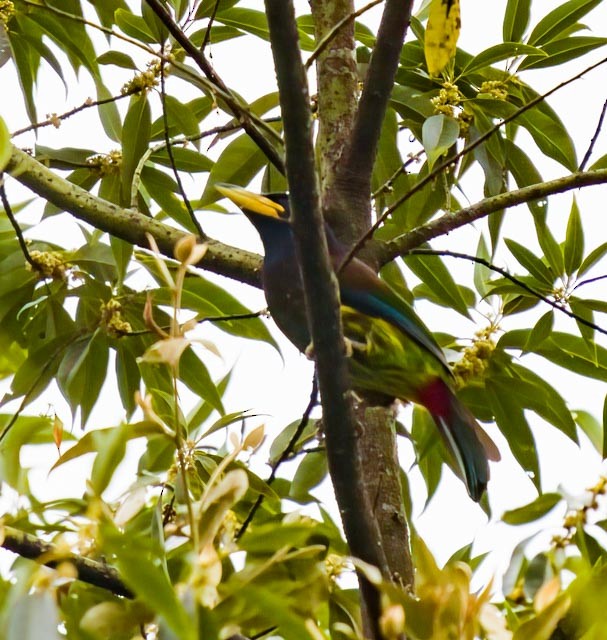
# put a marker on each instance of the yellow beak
(249, 201)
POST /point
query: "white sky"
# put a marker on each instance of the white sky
(261, 381)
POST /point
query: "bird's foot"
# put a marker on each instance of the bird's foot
(309, 352)
(352, 346)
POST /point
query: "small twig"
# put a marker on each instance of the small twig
(169, 148)
(235, 316)
(48, 554)
(594, 138)
(324, 43)
(519, 283)
(16, 227)
(588, 281)
(284, 455)
(387, 185)
(454, 159)
(52, 120)
(207, 33)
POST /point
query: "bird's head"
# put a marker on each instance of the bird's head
(271, 205)
(268, 213)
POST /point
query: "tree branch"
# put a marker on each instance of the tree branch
(128, 224)
(48, 554)
(231, 101)
(322, 302)
(387, 251)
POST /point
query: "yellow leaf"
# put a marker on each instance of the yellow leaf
(442, 32)
(57, 431)
(6, 148)
(547, 594)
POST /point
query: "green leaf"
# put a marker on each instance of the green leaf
(525, 173)
(532, 511)
(198, 109)
(535, 393)
(38, 370)
(141, 566)
(6, 148)
(154, 23)
(226, 421)
(195, 375)
(255, 23)
(388, 158)
(499, 52)
(559, 52)
(127, 374)
(574, 240)
(604, 452)
(26, 430)
(134, 26)
(551, 137)
(135, 139)
(282, 440)
(161, 188)
(583, 311)
(185, 160)
(95, 441)
(511, 421)
(592, 258)
(203, 409)
(591, 427)
(109, 455)
(433, 273)
(180, 118)
(551, 248)
(482, 275)
(566, 350)
(82, 372)
(27, 61)
(516, 19)
(439, 134)
(560, 19)
(532, 263)
(108, 113)
(311, 471)
(118, 59)
(542, 329)
(238, 164)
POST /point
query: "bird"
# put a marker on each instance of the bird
(390, 350)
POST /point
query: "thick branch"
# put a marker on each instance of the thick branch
(128, 224)
(90, 571)
(322, 301)
(231, 101)
(360, 155)
(385, 252)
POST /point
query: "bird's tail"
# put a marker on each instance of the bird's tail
(470, 447)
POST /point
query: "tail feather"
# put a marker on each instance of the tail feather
(470, 447)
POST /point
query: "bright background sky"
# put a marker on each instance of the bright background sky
(261, 381)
